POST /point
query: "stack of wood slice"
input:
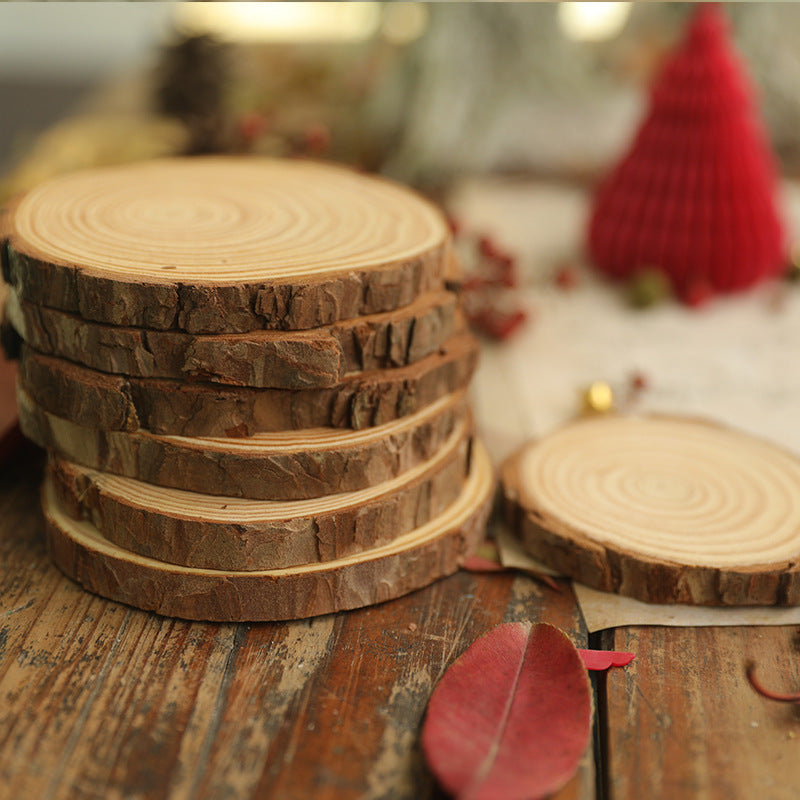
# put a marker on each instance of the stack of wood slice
(250, 376)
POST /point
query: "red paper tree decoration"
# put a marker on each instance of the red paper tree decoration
(695, 195)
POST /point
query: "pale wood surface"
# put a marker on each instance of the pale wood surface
(223, 220)
(678, 723)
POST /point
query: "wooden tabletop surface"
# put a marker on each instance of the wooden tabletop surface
(98, 700)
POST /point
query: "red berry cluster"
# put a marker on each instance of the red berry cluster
(314, 140)
(567, 277)
(489, 301)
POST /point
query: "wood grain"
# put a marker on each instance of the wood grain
(364, 399)
(278, 359)
(223, 244)
(277, 466)
(223, 533)
(101, 701)
(682, 721)
(663, 509)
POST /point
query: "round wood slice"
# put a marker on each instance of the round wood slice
(318, 357)
(213, 532)
(269, 466)
(662, 509)
(224, 244)
(414, 560)
(363, 399)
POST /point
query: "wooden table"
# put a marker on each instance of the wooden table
(98, 700)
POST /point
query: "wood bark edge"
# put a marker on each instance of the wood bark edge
(257, 471)
(205, 308)
(343, 528)
(314, 358)
(610, 568)
(409, 563)
(362, 400)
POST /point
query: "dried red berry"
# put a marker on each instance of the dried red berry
(697, 293)
(252, 126)
(487, 247)
(317, 139)
(454, 225)
(567, 277)
(498, 325)
(507, 271)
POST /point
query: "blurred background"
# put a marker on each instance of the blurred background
(423, 92)
(505, 113)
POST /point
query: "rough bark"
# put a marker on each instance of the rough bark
(312, 276)
(286, 360)
(254, 535)
(197, 308)
(412, 561)
(259, 468)
(611, 568)
(362, 400)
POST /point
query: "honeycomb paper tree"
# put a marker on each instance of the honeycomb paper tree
(695, 194)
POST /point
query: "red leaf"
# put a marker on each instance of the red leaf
(478, 563)
(604, 659)
(511, 718)
(487, 559)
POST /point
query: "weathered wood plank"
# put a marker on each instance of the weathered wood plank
(101, 701)
(356, 730)
(682, 721)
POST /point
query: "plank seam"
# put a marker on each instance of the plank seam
(600, 640)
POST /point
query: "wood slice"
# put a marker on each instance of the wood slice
(667, 510)
(410, 562)
(363, 399)
(269, 466)
(224, 244)
(278, 359)
(213, 532)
